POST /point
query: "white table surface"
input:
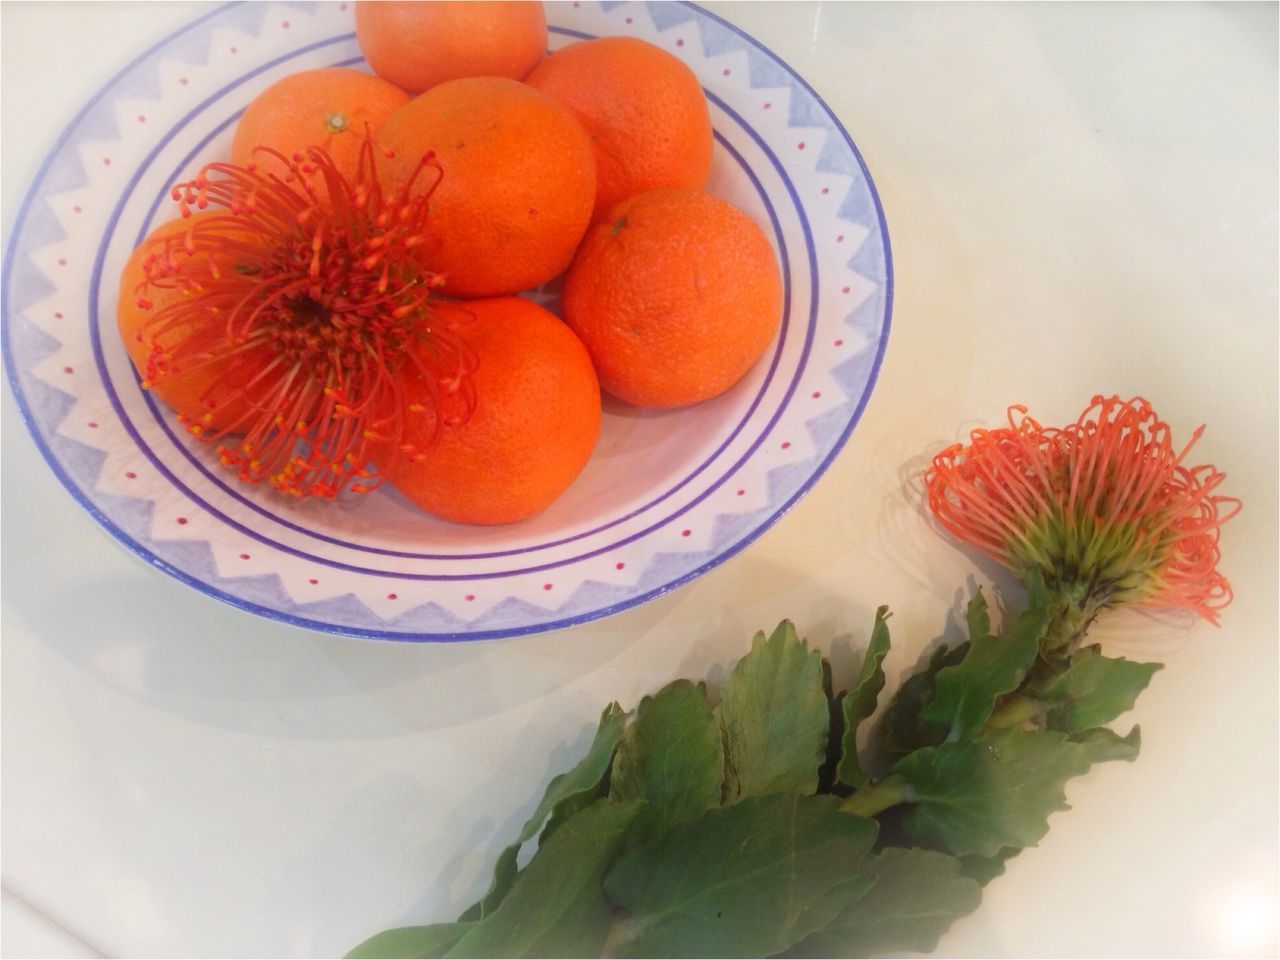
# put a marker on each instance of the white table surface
(1080, 199)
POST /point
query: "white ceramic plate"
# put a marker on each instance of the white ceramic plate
(667, 495)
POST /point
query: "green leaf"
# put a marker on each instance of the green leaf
(565, 795)
(978, 796)
(411, 942)
(556, 907)
(1094, 690)
(835, 734)
(748, 880)
(965, 694)
(977, 617)
(773, 718)
(986, 869)
(1102, 744)
(861, 703)
(916, 897)
(671, 757)
(903, 728)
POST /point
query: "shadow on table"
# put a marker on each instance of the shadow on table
(199, 659)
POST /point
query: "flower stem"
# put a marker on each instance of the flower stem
(872, 799)
(1075, 608)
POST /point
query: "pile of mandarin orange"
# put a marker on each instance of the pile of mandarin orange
(587, 165)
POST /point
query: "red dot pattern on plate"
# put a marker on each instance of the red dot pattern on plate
(839, 343)
(313, 581)
(800, 145)
(244, 556)
(469, 597)
(106, 161)
(817, 394)
(233, 50)
(768, 105)
(62, 262)
(546, 586)
(285, 24)
(685, 533)
(840, 238)
(131, 475)
(58, 316)
(680, 42)
(182, 521)
(786, 444)
(727, 71)
(629, 20)
(342, 6)
(67, 370)
(92, 425)
(844, 289)
(78, 209)
(392, 596)
(619, 565)
(142, 119)
(183, 81)
(825, 191)
(741, 493)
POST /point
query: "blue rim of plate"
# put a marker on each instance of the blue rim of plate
(147, 555)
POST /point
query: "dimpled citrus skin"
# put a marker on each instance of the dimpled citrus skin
(420, 44)
(518, 184)
(333, 108)
(645, 111)
(189, 391)
(676, 294)
(535, 422)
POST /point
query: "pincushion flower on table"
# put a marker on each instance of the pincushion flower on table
(1105, 509)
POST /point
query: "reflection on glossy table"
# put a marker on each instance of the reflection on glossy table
(1080, 199)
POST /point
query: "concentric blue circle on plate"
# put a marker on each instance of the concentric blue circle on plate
(667, 495)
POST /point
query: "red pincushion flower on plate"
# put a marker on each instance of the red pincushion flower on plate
(1106, 509)
(305, 294)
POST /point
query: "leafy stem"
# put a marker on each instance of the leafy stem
(879, 796)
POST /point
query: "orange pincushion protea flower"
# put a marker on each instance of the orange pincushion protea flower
(314, 327)
(1104, 509)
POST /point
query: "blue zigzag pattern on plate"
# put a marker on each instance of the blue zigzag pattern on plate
(192, 561)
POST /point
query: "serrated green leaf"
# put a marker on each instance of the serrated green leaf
(985, 869)
(748, 880)
(1102, 744)
(565, 795)
(412, 943)
(903, 728)
(1093, 690)
(861, 702)
(977, 616)
(978, 796)
(835, 730)
(773, 718)
(965, 695)
(556, 907)
(916, 897)
(671, 757)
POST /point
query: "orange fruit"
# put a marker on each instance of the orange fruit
(645, 111)
(675, 294)
(418, 45)
(535, 421)
(517, 188)
(193, 389)
(333, 108)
